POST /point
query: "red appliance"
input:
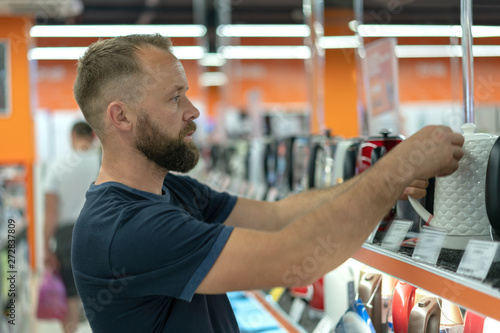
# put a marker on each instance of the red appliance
(373, 148)
(370, 150)
(402, 304)
(474, 323)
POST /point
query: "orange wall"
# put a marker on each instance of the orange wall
(340, 78)
(441, 80)
(280, 81)
(55, 84)
(340, 93)
(16, 129)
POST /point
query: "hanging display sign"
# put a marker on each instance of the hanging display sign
(380, 76)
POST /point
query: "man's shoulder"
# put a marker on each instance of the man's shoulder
(175, 181)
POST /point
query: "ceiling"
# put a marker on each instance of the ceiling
(486, 12)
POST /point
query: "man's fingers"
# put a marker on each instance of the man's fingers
(420, 183)
(458, 153)
(457, 139)
(414, 192)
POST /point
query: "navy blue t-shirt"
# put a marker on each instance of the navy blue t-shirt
(139, 257)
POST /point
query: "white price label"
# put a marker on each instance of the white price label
(477, 259)
(396, 234)
(429, 244)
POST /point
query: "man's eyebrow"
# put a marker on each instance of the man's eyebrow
(177, 87)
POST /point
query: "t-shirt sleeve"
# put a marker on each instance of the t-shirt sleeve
(166, 251)
(51, 181)
(215, 206)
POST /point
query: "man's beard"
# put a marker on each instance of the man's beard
(172, 154)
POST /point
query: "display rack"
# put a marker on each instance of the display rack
(468, 293)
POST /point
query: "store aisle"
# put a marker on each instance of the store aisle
(53, 326)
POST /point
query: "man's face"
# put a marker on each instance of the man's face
(167, 152)
(165, 115)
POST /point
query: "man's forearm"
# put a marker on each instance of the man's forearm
(297, 205)
(274, 216)
(328, 235)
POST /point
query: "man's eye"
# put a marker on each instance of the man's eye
(176, 99)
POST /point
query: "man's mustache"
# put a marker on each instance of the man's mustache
(190, 127)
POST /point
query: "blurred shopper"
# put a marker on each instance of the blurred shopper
(67, 180)
(156, 252)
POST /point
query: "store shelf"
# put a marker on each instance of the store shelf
(468, 293)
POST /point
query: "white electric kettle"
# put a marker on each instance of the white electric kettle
(459, 199)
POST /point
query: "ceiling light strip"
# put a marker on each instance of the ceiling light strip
(263, 30)
(187, 30)
(402, 30)
(74, 53)
(265, 52)
(339, 42)
(444, 51)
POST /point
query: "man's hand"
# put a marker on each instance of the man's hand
(432, 151)
(417, 189)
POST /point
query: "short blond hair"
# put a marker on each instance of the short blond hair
(107, 64)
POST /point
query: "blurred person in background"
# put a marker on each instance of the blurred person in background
(67, 180)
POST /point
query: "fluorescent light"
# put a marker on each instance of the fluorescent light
(210, 79)
(393, 30)
(485, 31)
(486, 50)
(428, 51)
(338, 42)
(444, 51)
(56, 53)
(265, 52)
(212, 59)
(189, 52)
(263, 30)
(187, 30)
(401, 30)
(74, 53)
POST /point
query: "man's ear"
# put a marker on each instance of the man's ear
(118, 116)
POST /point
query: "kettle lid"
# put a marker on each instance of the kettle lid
(469, 134)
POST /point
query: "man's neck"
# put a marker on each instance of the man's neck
(134, 171)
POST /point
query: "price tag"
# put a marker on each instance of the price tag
(397, 232)
(477, 259)
(429, 244)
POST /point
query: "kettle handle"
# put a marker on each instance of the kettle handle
(312, 165)
(421, 211)
(492, 188)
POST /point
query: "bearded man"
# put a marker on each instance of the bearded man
(157, 252)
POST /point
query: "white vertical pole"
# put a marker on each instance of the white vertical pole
(467, 59)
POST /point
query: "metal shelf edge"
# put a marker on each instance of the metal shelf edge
(463, 291)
